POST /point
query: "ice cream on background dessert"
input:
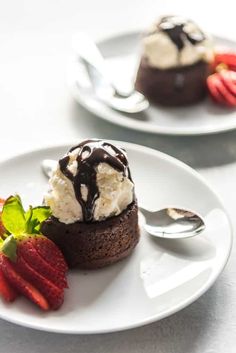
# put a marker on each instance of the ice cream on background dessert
(175, 63)
(93, 204)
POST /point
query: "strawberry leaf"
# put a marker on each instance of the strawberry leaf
(8, 247)
(18, 222)
(13, 215)
(35, 216)
(28, 217)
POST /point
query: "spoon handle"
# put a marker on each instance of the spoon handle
(89, 53)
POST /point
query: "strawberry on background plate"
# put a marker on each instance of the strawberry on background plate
(222, 83)
(222, 86)
(30, 263)
(226, 58)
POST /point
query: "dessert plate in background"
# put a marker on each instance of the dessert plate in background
(158, 279)
(122, 53)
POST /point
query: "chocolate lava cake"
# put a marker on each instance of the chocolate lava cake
(99, 233)
(173, 87)
(175, 63)
(96, 244)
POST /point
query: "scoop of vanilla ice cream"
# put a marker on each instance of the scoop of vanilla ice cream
(161, 52)
(61, 199)
(115, 193)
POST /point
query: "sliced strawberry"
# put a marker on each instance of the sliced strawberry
(24, 287)
(6, 290)
(212, 87)
(229, 80)
(227, 58)
(230, 99)
(220, 88)
(51, 253)
(30, 262)
(52, 293)
(26, 249)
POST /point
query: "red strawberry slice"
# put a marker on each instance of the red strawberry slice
(24, 287)
(53, 294)
(212, 87)
(51, 253)
(227, 58)
(229, 80)
(222, 87)
(229, 98)
(6, 290)
(26, 249)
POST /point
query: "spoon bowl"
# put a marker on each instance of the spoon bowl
(172, 223)
(134, 103)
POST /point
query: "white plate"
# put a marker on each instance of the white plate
(122, 53)
(158, 279)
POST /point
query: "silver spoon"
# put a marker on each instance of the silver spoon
(91, 57)
(169, 223)
(172, 223)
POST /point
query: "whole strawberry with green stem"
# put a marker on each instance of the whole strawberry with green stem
(30, 263)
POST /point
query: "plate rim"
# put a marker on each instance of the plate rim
(123, 120)
(153, 318)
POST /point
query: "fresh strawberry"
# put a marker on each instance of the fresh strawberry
(52, 293)
(51, 253)
(222, 87)
(17, 281)
(229, 99)
(229, 80)
(27, 249)
(226, 58)
(2, 229)
(6, 290)
(213, 90)
(30, 262)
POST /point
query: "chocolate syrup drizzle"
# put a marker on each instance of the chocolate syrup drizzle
(90, 154)
(175, 29)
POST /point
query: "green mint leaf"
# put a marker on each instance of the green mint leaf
(35, 216)
(13, 215)
(28, 218)
(8, 247)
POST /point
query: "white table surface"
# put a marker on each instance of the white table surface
(37, 110)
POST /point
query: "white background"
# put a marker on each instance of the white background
(37, 110)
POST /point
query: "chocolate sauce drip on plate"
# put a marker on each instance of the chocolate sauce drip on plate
(90, 154)
(175, 28)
